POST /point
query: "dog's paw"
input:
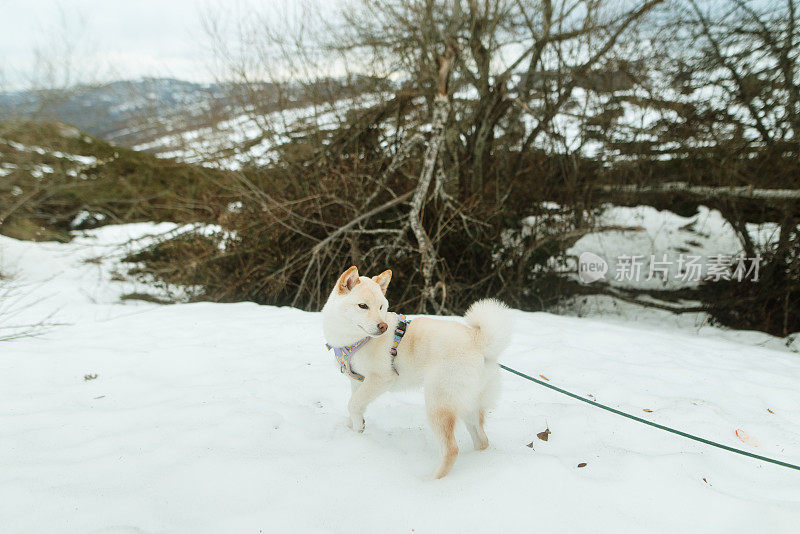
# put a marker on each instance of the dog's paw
(356, 423)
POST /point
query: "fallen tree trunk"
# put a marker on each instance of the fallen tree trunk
(652, 304)
(704, 191)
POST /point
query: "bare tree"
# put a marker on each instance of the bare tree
(61, 68)
(518, 64)
(421, 133)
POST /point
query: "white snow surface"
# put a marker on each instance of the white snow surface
(230, 418)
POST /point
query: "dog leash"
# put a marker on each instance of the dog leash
(650, 423)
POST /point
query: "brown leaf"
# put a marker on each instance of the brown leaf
(582, 464)
(744, 437)
(530, 445)
(770, 411)
(544, 377)
(704, 480)
(648, 410)
(543, 435)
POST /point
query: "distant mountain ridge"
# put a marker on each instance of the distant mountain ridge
(112, 111)
(134, 112)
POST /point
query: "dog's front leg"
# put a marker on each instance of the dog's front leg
(368, 391)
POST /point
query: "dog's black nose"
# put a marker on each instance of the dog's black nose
(383, 327)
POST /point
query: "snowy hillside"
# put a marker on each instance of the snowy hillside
(248, 137)
(127, 416)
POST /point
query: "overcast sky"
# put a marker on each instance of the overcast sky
(114, 38)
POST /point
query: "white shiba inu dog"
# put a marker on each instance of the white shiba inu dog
(455, 364)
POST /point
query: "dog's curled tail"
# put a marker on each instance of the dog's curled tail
(491, 320)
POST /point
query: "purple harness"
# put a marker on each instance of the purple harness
(345, 354)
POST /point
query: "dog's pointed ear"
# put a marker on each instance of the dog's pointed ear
(383, 279)
(348, 280)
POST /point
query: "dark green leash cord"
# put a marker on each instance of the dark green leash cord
(645, 421)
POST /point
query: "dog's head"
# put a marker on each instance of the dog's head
(360, 302)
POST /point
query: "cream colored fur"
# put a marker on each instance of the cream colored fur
(455, 364)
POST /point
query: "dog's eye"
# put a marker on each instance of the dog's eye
(363, 306)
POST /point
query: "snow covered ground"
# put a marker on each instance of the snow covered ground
(139, 418)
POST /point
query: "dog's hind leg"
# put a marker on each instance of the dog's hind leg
(474, 424)
(476, 418)
(443, 422)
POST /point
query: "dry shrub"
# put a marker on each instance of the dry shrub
(771, 304)
(310, 216)
(48, 186)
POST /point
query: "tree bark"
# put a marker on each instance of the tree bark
(441, 110)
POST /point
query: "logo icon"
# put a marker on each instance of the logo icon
(591, 267)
